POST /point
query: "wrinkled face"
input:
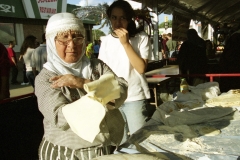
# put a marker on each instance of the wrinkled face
(69, 46)
(118, 19)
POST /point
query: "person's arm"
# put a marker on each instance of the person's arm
(50, 101)
(12, 55)
(136, 61)
(34, 71)
(33, 63)
(14, 61)
(68, 80)
(20, 57)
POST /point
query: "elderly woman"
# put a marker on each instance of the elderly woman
(60, 83)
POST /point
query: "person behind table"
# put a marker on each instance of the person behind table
(4, 73)
(192, 57)
(13, 62)
(164, 46)
(26, 51)
(229, 62)
(39, 57)
(60, 83)
(127, 51)
(171, 44)
(96, 48)
(210, 51)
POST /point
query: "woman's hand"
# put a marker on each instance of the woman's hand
(68, 80)
(136, 61)
(123, 36)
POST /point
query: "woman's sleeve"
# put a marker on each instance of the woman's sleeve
(145, 48)
(102, 52)
(50, 101)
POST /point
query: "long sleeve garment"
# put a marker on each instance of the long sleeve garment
(51, 101)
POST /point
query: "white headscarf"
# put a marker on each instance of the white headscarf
(58, 23)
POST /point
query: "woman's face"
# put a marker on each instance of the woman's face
(118, 19)
(69, 47)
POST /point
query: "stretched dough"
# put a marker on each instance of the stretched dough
(84, 117)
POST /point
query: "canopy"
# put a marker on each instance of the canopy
(214, 12)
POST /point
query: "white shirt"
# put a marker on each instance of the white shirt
(27, 58)
(113, 54)
(39, 57)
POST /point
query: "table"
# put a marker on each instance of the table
(154, 82)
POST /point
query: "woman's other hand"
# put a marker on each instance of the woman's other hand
(68, 80)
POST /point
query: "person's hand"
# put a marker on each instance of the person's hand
(68, 80)
(122, 34)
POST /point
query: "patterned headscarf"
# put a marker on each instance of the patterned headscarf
(61, 23)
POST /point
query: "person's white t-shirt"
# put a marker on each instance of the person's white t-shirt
(113, 54)
(27, 58)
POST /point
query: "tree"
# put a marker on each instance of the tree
(162, 25)
(96, 33)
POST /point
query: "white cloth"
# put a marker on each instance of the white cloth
(113, 54)
(206, 90)
(39, 57)
(85, 115)
(59, 23)
(172, 113)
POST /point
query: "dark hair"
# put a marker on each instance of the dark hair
(29, 41)
(43, 37)
(192, 34)
(130, 15)
(11, 42)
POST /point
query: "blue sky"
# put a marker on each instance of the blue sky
(96, 2)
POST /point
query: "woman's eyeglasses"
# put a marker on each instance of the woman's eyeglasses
(76, 41)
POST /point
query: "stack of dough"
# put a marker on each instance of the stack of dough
(229, 99)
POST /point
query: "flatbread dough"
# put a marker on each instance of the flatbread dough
(84, 117)
(232, 98)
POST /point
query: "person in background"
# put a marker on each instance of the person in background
(164, 46)
(160, 46)
(39, 57)
(59, 85)
(13, 62)
(127, 51)
(4, 73)
(27, 48)
(192, 57)
(25, 79)
(229, 62)
(209, 49)
(171, 45)
(89, 50)
(96, 48)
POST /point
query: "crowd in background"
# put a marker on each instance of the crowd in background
(63, 63)
(32, 57)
